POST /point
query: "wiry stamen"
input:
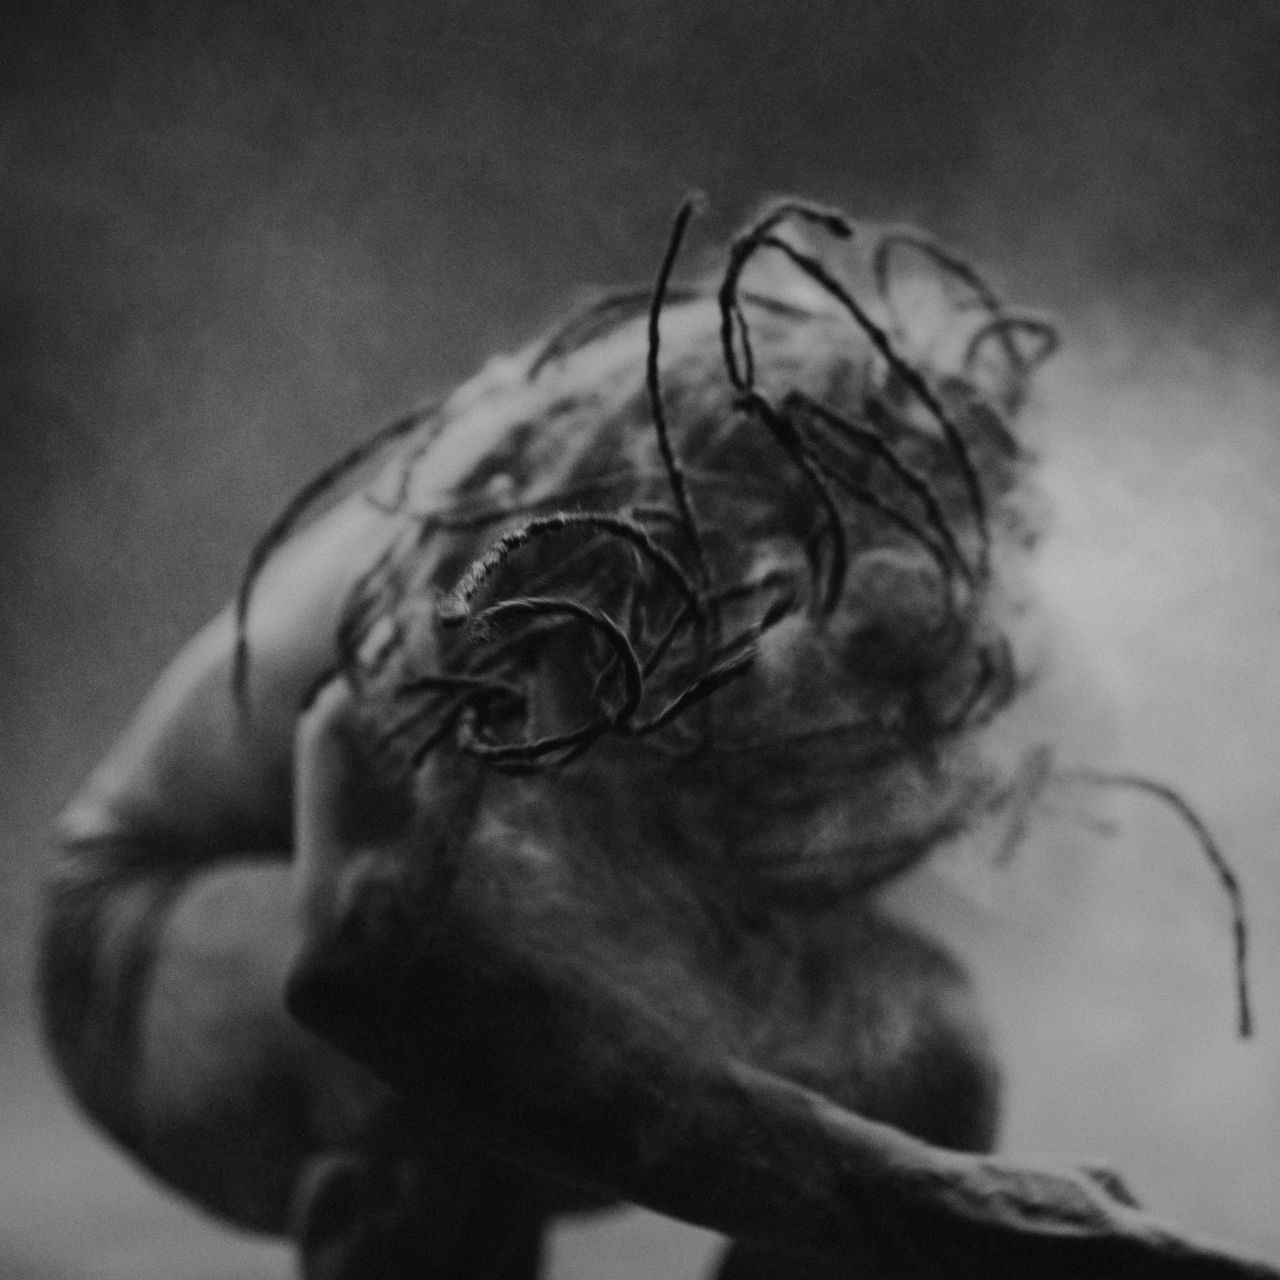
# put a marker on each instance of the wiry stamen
(733, 661)
(543, 607)
(664, 642)
(743, 248)
(278, 531)
(1005, 326)
(1002, 323)
(909, 375)
(952, 263)
(785, 433)
(653, 384)
(1209, 847)
(914, 480)
(876, 502)
(453, 608)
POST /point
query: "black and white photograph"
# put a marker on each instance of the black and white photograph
(641, 641)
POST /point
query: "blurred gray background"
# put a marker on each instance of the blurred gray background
(237, 235)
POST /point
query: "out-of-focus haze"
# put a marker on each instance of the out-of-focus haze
(236, 235)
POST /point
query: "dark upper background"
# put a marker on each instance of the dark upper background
(236, 234)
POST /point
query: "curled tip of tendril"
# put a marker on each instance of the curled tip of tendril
(1213, 855)
(1003, 324)
(741, 251)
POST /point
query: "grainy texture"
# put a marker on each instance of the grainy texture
(235, 235)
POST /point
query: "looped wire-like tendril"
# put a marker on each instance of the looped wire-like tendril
(278, 531)
(742, 249)
(454, 607)
(785, 433)
(675, 474)
(950, 553)
(1213, 855)
(1003, 322)
(910, 375)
